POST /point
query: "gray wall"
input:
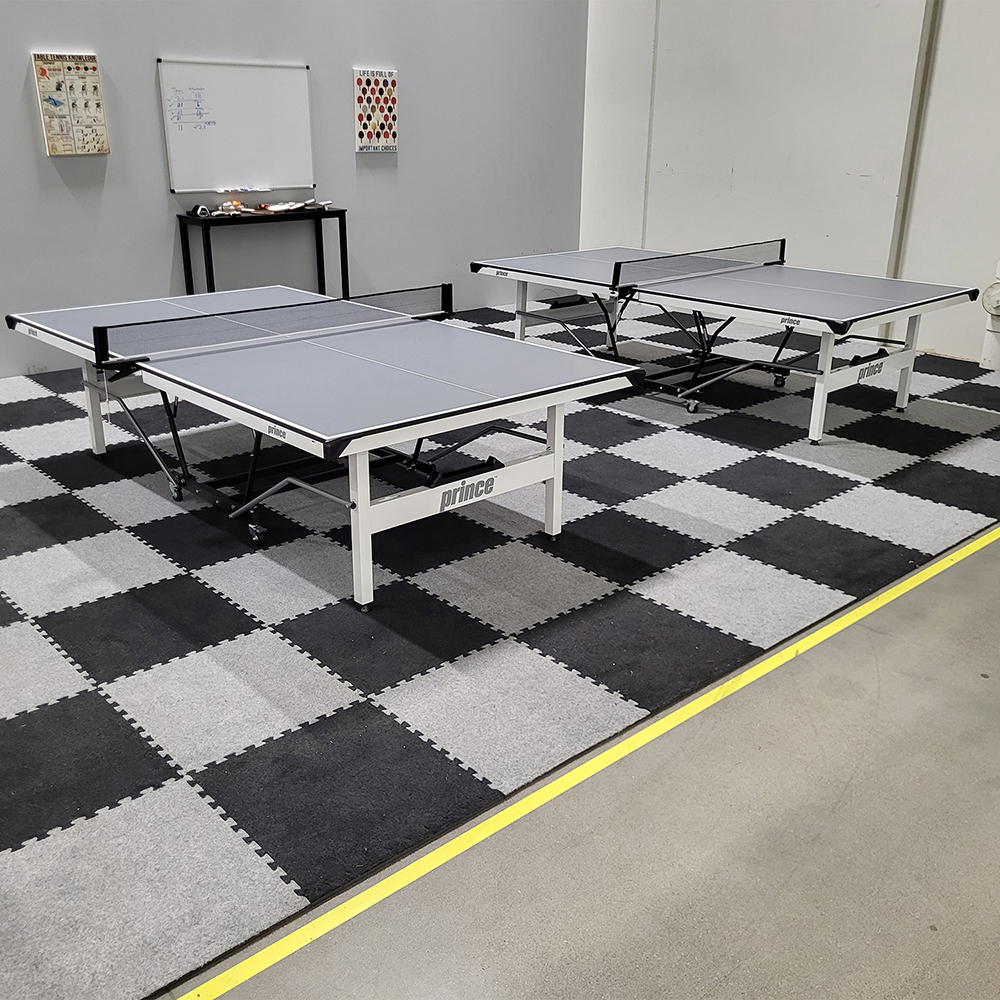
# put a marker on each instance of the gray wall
(491, 109)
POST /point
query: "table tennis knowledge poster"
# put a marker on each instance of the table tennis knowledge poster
(71, 102)
(376, 106)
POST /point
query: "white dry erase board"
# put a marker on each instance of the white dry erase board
(236, 126)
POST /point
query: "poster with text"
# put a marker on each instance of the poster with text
(375, 98)
(71, 102)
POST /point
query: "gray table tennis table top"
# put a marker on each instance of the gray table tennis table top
(835, 299)
(330, 369)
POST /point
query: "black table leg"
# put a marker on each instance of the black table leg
(206, 242)
(186, 258)
(345, 281)
(320, 255)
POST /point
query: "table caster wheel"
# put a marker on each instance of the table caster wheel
(177, 493)
(363, 608)
(692, 406)
(257, 533)
(779, 381)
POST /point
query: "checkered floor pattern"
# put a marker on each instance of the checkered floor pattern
(201, 736)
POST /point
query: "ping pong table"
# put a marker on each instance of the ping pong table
(338, 379)
(748, 282)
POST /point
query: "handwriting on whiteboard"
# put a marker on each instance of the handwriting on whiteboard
(187, 108)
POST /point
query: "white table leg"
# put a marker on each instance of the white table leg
(614, 311)
(361, 528)
(521, 307)
(824, 367)
(554, 486)
(906, 374)
(92, 400)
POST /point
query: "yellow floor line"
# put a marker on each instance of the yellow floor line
(326, 922)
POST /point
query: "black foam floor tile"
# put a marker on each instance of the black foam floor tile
(420, 545)
(747, 430)
(950, 485)
(619, 547)
(907, 436)
(238, 464)
(31, 412)
(946, 367)
(862, 397)
(208, 535)
(485, 316)
(8, 613)
(590, 338)
(786, 484)
(736, 395)
(153, 419)
(610, 479)
(648, 653)
(797, 343)
(604, 429)
(7, 457)
(336, 799)
(846, 560)
(81, 469)
(986, 397)
(65, 761)
(39, 523)
(405, 631)
(118, 635)
(68, 380)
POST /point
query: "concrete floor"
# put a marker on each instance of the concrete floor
(833, 830)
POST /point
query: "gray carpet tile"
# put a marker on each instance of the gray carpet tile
(508, 712)
(682, 453)
(87, 569)
(219, 701)
(898, 517)
(514, 586)
(167, 885)
(796, 410)
(838, 455)
(751, 600)
(19, 388)
(979, 455)
(32, 671)
(703, 511)
(20, 482)
(130, 502)
(46, 440)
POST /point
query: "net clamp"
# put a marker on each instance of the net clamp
(122, 367)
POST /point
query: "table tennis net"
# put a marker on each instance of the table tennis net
(672, 267)
(199, 331)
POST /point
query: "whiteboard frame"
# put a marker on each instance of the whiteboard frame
(232, 62)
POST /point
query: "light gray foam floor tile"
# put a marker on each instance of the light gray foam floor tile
(898, 517)
(539, 415)
(509, 522)
(215, 702)
(288, 580)
(750, 350)
(952, 416)
(979, 455)
(18, 388)
(509, 713)
(319, 513)
(748, 599)
(711, 513)
(661, 410)
(921, 383)
(796, 410)
(46, 440)
(508, 448)
(212, 441)
(138, 501)
(20, 483)
(167, 886)
(988, 378)
(61, 576)
(32, 671)
(681, 453)
(530, 502)
(865, 461)
(793, 383)
(513, 586)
